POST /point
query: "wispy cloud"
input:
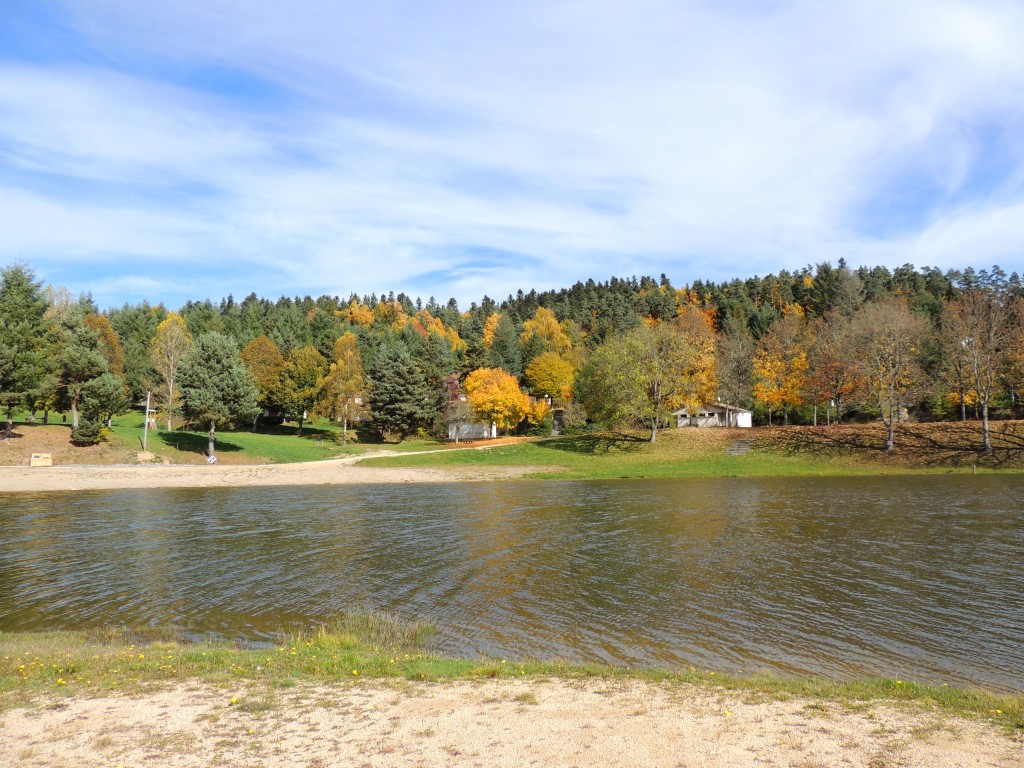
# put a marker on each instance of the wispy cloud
(458, 148)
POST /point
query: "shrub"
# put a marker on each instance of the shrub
(89, 431)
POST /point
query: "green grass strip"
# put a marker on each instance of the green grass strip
(379, 646)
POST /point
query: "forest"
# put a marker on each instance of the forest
(820, 345)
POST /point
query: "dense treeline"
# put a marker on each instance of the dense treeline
(825, 342)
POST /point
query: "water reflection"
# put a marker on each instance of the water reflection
(909, 577)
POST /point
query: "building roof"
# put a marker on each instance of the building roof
(713, 407)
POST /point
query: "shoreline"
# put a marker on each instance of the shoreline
(72, 477)
(544, 722)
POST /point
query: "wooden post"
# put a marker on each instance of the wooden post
(145, 428)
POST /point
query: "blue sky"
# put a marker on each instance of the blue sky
(167, 151)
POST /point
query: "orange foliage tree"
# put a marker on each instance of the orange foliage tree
(495, 396)
(780, 366)
(832, 375)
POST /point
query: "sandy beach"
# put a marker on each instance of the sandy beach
(494, 723)
(332, 472)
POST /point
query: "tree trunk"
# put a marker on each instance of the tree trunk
(986, 438)
(170, 405)
(654, 429)
(344, 427)
(213, 438)
(9, 428)
(890, 442)
(46, 416)
(963, 406)
(74, 412)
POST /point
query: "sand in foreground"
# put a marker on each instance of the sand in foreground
(494, 723)
(332, 472)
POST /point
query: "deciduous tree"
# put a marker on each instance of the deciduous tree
(548, 374)
(780, 365)
(985, 324)
(496, 397)
(735, 349)
(647, 373)
(300, 381)
(170, 345)
(889, 345)
(341, 391)
(265, 362)
(549, 334)
(832, 374)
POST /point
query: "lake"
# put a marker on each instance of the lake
(909, 577)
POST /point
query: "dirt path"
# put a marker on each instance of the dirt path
(497, 723)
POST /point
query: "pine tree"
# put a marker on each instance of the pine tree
(216, 389)
(400, 399)
(25, 363)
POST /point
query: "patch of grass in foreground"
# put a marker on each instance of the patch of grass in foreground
(676, 453)
(375, 646)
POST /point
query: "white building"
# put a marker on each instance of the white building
(715, 415)
(464, 430)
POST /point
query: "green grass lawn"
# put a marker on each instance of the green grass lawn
(676, 453)
(319, 439)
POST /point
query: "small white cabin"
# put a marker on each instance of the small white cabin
(458, 431)
(715, 415)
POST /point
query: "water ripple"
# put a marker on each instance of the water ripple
(911, 577)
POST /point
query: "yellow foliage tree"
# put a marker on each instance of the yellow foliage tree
(489, 328)
(546, 327)
(548, 374)
(434, 325)
(391, 314)
(780, 365)
(539, 410)
(169, 345)
(495, 396)
(357, 314)
(341, 391)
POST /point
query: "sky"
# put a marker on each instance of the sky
(453, 148)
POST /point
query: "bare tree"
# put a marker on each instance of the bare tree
(834, 375)
(735, 353)
(888, 343)
(984, 325)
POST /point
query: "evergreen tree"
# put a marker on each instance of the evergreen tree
(505, 352)
(216, 389)
(400, 399)
(135, 327)
(25, 364)
(79, 358)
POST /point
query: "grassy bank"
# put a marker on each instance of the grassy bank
(780, 451)
(369, 646)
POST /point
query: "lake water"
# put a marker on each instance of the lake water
(909, 577)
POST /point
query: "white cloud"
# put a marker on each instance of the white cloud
(699, 139)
